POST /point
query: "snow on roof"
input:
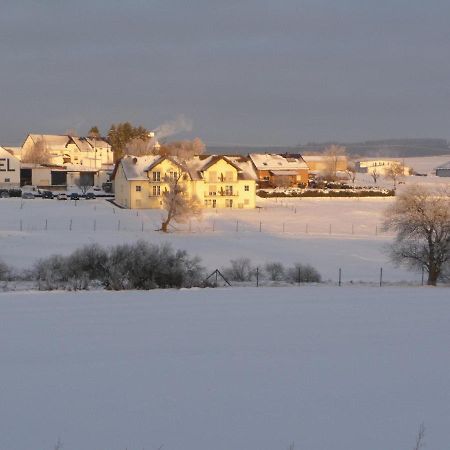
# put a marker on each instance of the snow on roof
(5, 153)
(57, 141)
(200, 163)
(271, 161)
(444, 166)
(134, 167)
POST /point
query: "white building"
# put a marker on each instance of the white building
(9, 170)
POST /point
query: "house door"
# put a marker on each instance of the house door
(214, 203)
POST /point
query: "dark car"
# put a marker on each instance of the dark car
(74, 196)
(90, 196)
(47, 194)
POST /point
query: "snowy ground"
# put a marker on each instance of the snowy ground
(328, 233)
(255, 369)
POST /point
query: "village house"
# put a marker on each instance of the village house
(216, 181)
(279, 171)
(70, 160)
(9, 170)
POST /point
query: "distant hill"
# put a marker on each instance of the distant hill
(386, 147)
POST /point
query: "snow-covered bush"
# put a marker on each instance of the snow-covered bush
(128, 266)
(5, 271)
(303, 273)
(275, 271)
(241, 269)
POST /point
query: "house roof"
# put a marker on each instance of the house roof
(271, 161)
(58, 141)
(134, 167)
(444, 166)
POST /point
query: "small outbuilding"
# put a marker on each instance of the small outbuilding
(443, 170)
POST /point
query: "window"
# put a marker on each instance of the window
(229, 203)
(156, 190)
(228, 190)
(138, 188)
(156, 176)
(246, 188)
(7, 180)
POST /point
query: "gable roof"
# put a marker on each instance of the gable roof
(443, 166)
(271, 161)
(172, 159)
(134, 167)
(58, 141)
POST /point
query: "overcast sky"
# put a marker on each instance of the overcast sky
(251, 72)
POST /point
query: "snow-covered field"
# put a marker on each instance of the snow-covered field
(237, 368)
(356, 367)
(328, 233)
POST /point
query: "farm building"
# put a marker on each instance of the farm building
(443, 170)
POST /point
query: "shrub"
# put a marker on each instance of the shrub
(275, 271)
(5, 272)
(127, 266)
(303, 273)
(240, 270)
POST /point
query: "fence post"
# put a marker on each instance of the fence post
(21, 227)
(283, 227)
(340, 277)
(46, 224)
(423, 274)
(70, 224)
(237, 226)
(353, 229)
(95, 225)
(381, 276)
(329, 232)
(306, 229)
(257, 277)
(299, 275)
(214, 225)
(142, 226)
(260, 226)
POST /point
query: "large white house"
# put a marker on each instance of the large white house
(216, 181)
(68, 160)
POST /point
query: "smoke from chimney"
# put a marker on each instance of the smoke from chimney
(180, 124)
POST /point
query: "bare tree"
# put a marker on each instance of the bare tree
(139, 147)
(37, 154)
(420, 438)
(183, 149)
(83, 183)
(179, 206)
(394, 172)
(375, 175)
(421, 219)
(333, 154)
(351, 171)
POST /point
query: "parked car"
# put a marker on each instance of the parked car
(4, 194)
(47, 194)
(62, 196)
(28, 195)
(74, 196)
(90, 196)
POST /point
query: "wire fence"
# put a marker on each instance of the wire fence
(108, 218)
